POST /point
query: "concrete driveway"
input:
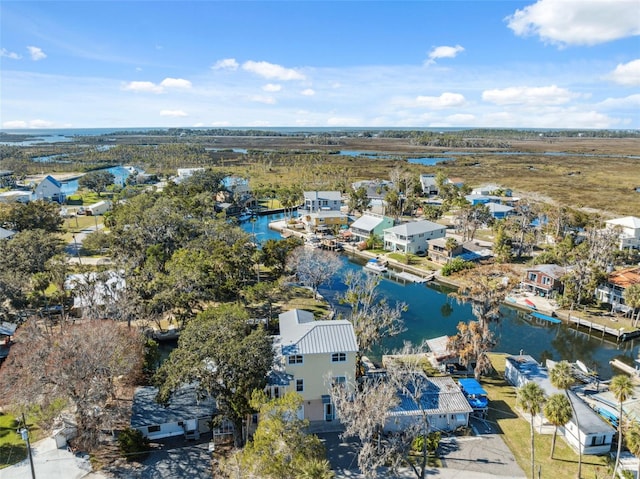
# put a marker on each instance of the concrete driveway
(482, 456)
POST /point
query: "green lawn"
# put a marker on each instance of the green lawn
(12, 448)
(516, 433)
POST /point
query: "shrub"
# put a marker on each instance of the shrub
(455, 265)
(133, 445)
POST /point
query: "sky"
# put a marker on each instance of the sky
(371, 64)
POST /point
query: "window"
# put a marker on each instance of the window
(273, 392)
(338, 357)
(533, 277)
(339, 381)
(299, 385)
(546, 280)
(153, 429)
(295, 359)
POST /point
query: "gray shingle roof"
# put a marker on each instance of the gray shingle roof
(184, 405)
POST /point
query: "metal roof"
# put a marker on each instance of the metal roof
(301, 334)
(415, 227)
(438, 395)
(367, 223)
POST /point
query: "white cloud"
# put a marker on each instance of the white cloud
(271, 70)
(631, 102)
(7, 54)
(150, 87)
(462, 119)
(627, 74)
(446, 100)
(577, 22)
(444, 52)
(36, 53)
(272, 87)
(308, 92)
(175, 83)
(21, 124)
(14, 124)
(226, 64)
(268, 100)
(546, 95)
(143, 86)
(173, 113)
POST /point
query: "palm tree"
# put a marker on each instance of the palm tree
(622, 388)
(633, 442)
(558, 412)
(632, 299)
(562, 377)
(531, 398)
(316, 469)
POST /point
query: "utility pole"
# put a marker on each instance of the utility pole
(24, 432)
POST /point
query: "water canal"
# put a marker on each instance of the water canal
(432, 313)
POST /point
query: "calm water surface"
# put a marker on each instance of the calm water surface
(432, 313)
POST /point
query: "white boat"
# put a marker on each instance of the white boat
(375, 266)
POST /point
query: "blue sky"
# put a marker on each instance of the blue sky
(521, 64)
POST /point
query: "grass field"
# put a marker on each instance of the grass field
(12, 448)
(516, 433)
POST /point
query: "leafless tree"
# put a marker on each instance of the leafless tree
(313, 267)
(79, 366)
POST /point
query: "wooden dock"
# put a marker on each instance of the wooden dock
(619, 333)
(630, 370)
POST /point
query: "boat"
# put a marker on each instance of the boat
(375, 266)
(530, 303)
(246, 215)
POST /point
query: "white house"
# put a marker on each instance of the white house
(99, 208)
(629, 231)
(315, 201)
(412, 237)
(594, 436)
(310, 356)
(184, 173)
(96, 294)
(441, 400)
(429, 184)
(49, 189)
(185, 415)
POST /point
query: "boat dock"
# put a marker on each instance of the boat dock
(545, 317)
(619, 333)
(411, 277)
(630, 370)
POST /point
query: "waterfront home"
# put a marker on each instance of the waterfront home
(593, 436)
(186, 414)
(438, 398)
(439, 253)
(544, 279)
(412, 237)
(370, 224)
(50, 189)
(612, 291)
(315, 201)
(629, 228)
(324, 221)
(311, 356)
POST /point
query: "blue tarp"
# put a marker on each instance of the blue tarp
(471, 387)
